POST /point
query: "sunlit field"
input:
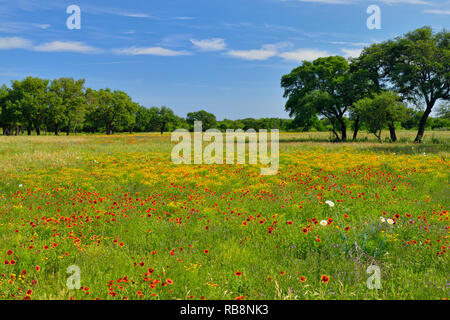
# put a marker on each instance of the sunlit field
(140, 227)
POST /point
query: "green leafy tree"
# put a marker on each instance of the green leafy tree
(111, 109)
(382, 110)
(208, 119)
(166, 118)
(11, 115)
(67, 103)
(324, 87)
(4, 96)
(147, 119)
(416, 65)
(31, 98)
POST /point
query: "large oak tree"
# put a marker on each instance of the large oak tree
(416, 65)
(325, 87)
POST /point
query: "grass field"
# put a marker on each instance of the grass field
(140, 227)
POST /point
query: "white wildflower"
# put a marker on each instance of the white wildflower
(330, 203)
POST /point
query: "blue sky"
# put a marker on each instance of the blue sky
(224, 56)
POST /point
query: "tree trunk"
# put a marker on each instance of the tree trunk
(343, 130)
(336, 135)
(423, 122)
(378, 136)
(108, 129)
(57, 130)
(392, 132)
(38, 129)
(355, 132)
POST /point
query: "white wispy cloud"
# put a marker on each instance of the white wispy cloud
(417, 2)
(356, 44)
(279, 50)
(66, 46)
(351, 53)
(8, 43)
(264, 53)
(133, 15)
(304, 54)
(14, 43)
(184, 18)
(21, 27)
(214, 44)
(330, 1)
(154, 51)
(438, 11)
(114, 11)
(389, 2)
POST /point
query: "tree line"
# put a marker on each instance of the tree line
(36, 105)
(393, 84)
(378, 89)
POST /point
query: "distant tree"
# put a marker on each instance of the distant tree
(166, 117)
(225, 124)
(31, 97)
(4, 97)
(416, 65)
(208, 119)
(147, 119)
(324, 87)
(11, 115)
(179, 123)
(67, 103)
(382, 110)
(111, 109)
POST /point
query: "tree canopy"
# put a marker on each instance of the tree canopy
(416, 65)
(325, 87)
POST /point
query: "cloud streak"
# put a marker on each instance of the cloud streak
(66, 46)
(153, 51)
(9, 43)
(351, 53)
(276, 50)
(264, 53)
(304, 55)
(214, 44)
(437, 11)
(14, 43)
(347, 2)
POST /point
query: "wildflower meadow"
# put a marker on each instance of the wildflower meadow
(112, 217)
